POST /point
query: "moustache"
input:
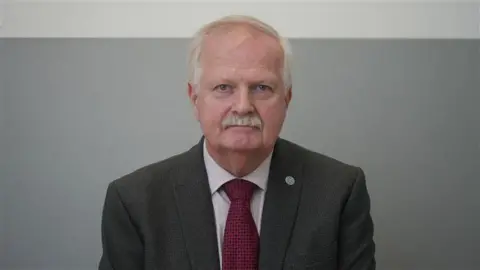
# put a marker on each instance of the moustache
(237, 120)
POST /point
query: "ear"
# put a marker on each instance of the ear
(288, 96)
(193, 99)
(191, 94)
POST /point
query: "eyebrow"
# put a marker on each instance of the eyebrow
(270, 82)
(269, 78)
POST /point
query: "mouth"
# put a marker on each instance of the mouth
(243, 127)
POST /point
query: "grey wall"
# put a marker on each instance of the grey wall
(3, 155)
(79, 113)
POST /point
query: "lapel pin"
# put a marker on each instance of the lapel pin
(289, 180)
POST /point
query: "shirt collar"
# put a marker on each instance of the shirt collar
(217, 176)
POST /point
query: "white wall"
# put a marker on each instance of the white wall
(310, 19)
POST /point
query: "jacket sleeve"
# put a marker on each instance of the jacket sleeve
(122, 247)
(356, 244)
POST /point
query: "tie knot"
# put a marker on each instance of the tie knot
(239, 189)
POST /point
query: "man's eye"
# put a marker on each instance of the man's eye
(222, 87)
(262, 87)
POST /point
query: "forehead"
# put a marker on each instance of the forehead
(241, 47)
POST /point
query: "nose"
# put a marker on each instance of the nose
(243, 103)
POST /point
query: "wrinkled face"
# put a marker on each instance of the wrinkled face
(240, 99)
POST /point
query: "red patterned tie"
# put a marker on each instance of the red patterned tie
(241, 240)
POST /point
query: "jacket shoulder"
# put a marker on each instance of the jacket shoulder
(316, 162)
(325, 173)
(143, 177)
(315, 157)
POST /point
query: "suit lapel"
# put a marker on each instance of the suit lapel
(195, 208)
(280, 207)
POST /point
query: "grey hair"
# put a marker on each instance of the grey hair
(194, 69)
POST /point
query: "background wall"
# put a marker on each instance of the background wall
(3, 154)
(77, 113)
(81, 113)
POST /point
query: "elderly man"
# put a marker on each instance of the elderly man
(242, 198)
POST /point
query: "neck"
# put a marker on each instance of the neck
(238, 163)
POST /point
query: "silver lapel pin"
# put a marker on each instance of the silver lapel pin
(289, 180)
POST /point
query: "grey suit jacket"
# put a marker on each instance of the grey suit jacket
(161, 216)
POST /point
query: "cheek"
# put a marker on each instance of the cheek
(211, 113)
(273, 117)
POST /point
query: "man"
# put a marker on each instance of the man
(242, 198)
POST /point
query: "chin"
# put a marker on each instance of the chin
(243, 144)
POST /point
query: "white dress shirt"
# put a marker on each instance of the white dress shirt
(217, 176)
